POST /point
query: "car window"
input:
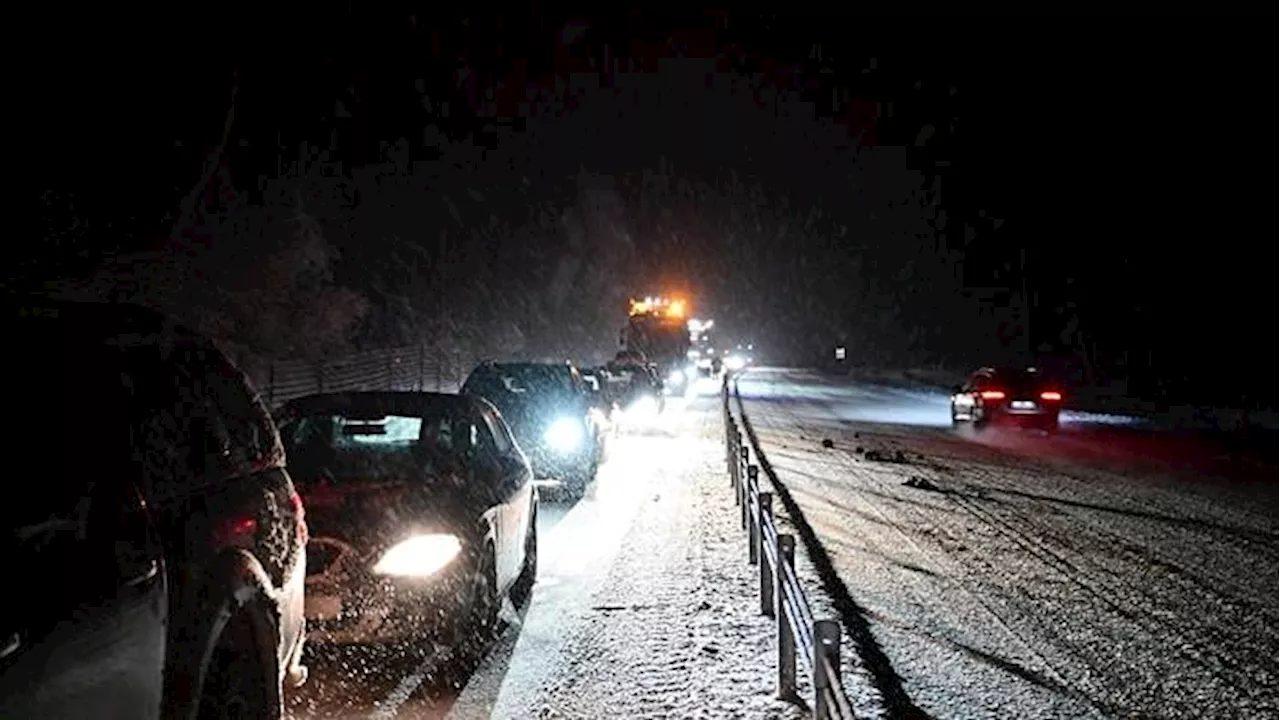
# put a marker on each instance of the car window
(199, 420)
(498, 432)
(70, 415)
(353, 449)
(70, 412)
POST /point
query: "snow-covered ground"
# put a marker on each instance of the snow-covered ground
(1105, 572)
(645, 607)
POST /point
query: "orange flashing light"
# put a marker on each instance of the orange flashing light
(656, 305)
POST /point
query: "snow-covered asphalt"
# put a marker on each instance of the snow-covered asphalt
(645, 606)
(1106, 572)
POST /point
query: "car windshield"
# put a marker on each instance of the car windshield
(346, 448)
(510, 385)
(1016, 380)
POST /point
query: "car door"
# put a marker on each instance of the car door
(514, 485)
(83, 634)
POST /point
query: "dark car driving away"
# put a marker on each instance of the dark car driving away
(423, 515)
(1021, 397)
(155, 543)
(550, 411)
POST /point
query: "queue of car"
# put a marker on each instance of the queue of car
(180, 543)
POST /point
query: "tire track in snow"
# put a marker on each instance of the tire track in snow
(1119, 596)
(839, 494)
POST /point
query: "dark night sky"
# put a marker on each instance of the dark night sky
(1117, 155)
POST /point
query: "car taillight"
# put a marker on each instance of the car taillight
(236, 530)
(1051, 395)
(992, 395)
(300, 512)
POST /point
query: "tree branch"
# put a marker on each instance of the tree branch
(190, 203)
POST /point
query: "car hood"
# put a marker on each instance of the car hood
(372, 516)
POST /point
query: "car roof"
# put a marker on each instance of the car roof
(377, 402)
(527, 365)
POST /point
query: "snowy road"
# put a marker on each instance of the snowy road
(645, 607)
(1107, 572)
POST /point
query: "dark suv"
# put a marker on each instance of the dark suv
(1021, 397)
(154, 539)
(551, 413)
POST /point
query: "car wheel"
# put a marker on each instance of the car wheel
(235, 686)
(481, 617)
(529, 573)
(1051, 427)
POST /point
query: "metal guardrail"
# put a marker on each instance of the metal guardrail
(816, 642)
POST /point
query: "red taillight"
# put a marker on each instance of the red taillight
(300, 512)
(1051, 395)
(992, 395)
(236, 530)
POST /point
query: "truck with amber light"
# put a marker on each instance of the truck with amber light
(658, 329)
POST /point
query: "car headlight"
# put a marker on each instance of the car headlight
(676, 377)
(565, 434)
(643, 406)
(735, 362)
(419, 556)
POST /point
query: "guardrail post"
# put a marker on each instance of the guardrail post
(735, 476)
(826, 652)
(735, 442)
(753, 515)
(743, 462)
(738, 478)
(786, 634)
(728, 443)
(766, 576)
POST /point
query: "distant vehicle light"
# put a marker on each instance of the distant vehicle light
(1051, 395)
(735, 362)
(992, 395)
